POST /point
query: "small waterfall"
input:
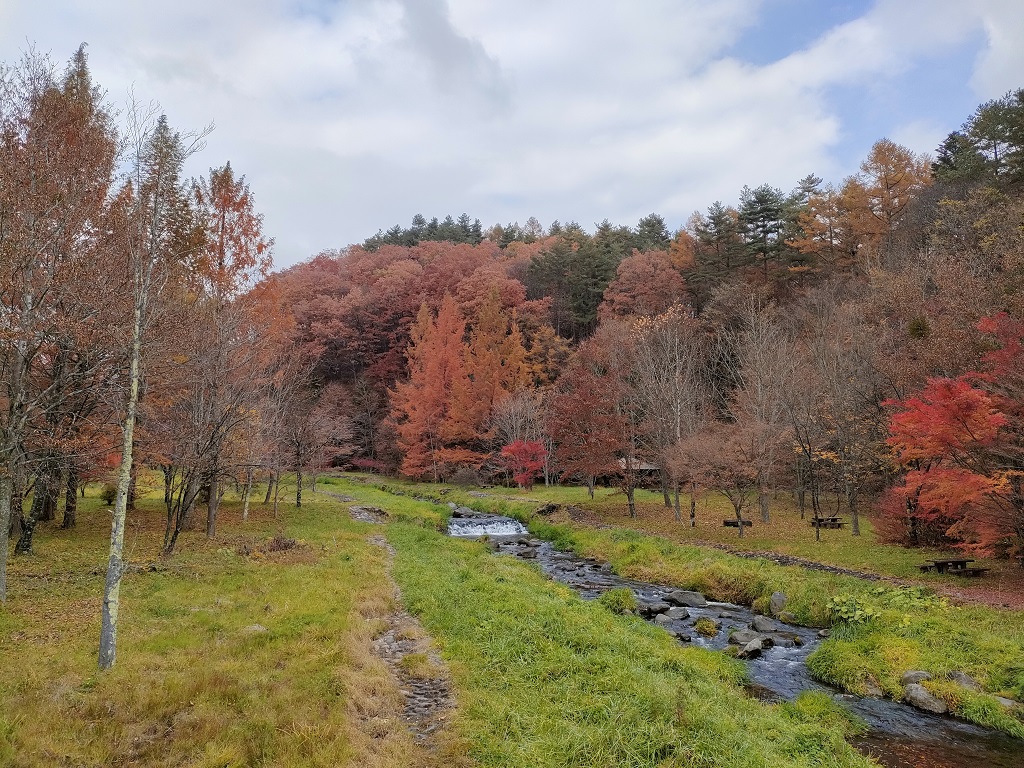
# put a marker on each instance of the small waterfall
(485, 525)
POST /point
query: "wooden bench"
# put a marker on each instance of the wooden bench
(736, 523)
(970, 571)
(925, 567)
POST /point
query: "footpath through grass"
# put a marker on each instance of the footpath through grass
(547, 679)
(879, 631)
(249, 650)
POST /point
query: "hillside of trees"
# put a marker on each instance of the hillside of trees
(861, 338)
(856, 338)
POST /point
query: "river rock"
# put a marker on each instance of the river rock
(787, 617)
(683, 637)
(915, 676)
(662, 619)
(652, 609)
(1008, 703)
(917, 695)
(751, 650)
(965, 681)
(743, 636)
(677, 613)
(777, 603)
(764, 624)
(686, 598)
(464, 512)
(823, 633)
(605, 568)
(453, 507)
(528, 554)
(871, 689)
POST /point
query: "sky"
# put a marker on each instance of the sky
(350, 116)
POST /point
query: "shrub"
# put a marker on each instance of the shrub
(108, 493)
(619, 600)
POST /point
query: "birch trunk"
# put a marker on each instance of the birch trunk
(115, 566)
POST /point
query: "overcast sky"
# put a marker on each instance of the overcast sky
(348, 116)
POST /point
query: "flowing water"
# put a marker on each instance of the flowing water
(899, 736)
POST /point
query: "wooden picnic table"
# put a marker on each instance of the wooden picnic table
(734, 523)
(827, 522)
(950, 564)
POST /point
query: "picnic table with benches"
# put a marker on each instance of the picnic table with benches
(956, 565)
(734, 523)
(827, 522)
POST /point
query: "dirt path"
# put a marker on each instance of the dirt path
(420, 672)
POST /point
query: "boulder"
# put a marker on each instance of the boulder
(743, 636)
(823, 633)
(454, 507)
(686, 598)
(528, 554)
(915, 676)
(777, 603)
(1008, 703)
(652, 609)
(918, 696)
(764, 624)
(661, 620)
(677, 613)
(751, 650)
(871, 689)
(965, 681)
(683, 637)
(464, 512)
(605, 568)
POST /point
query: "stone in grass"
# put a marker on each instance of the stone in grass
(777, 603)
(1008, 703)
(965, 681)
(914, 676)
(254, 629)
(918, 696)
(686, 598)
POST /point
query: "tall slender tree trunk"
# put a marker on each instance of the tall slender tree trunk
(213, 503)
(6, 494)
(298, 487)
(853, 506)
(246, 493)
(270, 488)
(115, 565)
(763, 499)
(679, 512)
(693, 508)
(663, 475)
(631, 500)
(739, 518)
(277, 491)
(590, 486)
(71, 497)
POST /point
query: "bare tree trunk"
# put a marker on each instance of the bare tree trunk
(631, 500)
(298, 487)
(590, 486)
(213, 503)
(762, 502)
(71, 497)
(115, 565)
(739, 518)
(246, 493)
(270, 488)
(679, 513)
(6, 493)
(277, 490)
(663, 475)
(851, 503)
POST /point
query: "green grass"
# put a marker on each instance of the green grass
(913, 629)
(197, 682)
(547, 679)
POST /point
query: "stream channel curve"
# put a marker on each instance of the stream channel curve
(899, 736)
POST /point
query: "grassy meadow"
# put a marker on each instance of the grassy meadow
(899, 628)
(254, 649)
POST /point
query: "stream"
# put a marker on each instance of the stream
(899, 736)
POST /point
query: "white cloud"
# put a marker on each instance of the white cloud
(350, 116)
